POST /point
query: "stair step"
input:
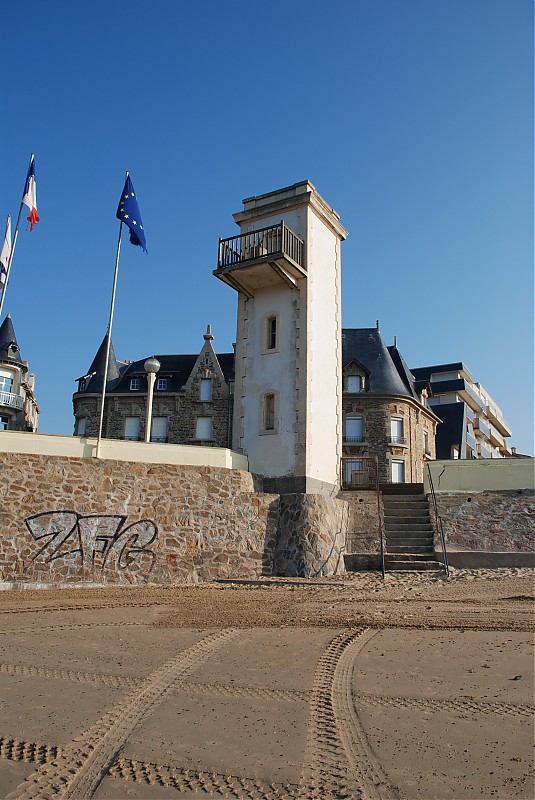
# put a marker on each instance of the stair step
(411, 527)
(404, 500)
(412, 566)
(413, 550)
(399, 541)
(407, 521)
(407, 513)
(401, 488)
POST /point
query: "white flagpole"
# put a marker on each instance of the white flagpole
(108, 343)
(15, 236)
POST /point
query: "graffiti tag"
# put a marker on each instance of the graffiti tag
(98, 542)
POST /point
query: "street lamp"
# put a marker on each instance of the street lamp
(151, 367)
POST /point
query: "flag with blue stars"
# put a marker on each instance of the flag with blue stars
(128, 212)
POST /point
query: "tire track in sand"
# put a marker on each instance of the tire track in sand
(78, 768)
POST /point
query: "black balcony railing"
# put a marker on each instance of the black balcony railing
(275, 240)
(353, 439)
(159, 439)
(398, 440)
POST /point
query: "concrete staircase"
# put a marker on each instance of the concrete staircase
(407, 528)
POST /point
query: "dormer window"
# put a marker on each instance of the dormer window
(161, 384)
(135, 384)
(354, 384)
(81, 385)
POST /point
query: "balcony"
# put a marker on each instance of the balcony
(12, 400)
(398, 441)
(481, 428)
(242, 260)
(496, 416)
(496, 437)
(463, 389)
(354, 439)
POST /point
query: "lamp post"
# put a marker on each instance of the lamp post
(151, 367)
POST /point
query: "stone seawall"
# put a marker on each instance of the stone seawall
(65, 520)
(489, 521)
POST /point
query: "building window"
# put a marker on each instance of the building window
(135, 383)
(131, 429)
(354, 384)
(81, 385)
(203, 428)
(206, 390)
(6, 383)
(268, 413)
(396, 430)
(353, 430)
(272, 332)
(159, 429)
(161, 384)
(81, 426)
(427, 449)
(4, 422)
(398, 472)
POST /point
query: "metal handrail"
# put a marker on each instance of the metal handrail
(262, 242)
(11, 399)
(380, 517)
(438, 520)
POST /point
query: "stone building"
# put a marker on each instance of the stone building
(18, 407)
(192, 401)
(387, 425)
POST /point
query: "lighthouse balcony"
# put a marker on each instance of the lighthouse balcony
(261, 258)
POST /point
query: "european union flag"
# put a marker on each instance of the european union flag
(128, 212)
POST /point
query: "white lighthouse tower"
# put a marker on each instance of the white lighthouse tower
(285, 265)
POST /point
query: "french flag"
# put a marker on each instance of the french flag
(29, 198)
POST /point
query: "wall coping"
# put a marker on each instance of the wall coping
(43, 444)
(488, 474)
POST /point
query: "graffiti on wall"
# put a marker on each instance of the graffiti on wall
(93, 544)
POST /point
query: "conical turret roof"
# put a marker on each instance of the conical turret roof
(9, 348)
(96, 370)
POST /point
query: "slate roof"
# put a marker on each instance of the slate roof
(176, 368)
(387, 371)
(9, 348)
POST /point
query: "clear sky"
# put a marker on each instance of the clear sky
(413, 119)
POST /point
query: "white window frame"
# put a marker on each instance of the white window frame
(206, 390)
(135, 384)
(354, 384)
(163, 424)
(397, 423)
(358, 437)
(198, 425)
(130, 436)
(398, 462)
(161, 384)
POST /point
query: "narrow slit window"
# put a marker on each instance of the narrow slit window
(269, 412)
(271, 331)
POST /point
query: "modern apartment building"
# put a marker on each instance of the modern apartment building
(473, 425)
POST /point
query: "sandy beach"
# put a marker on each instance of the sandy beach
(348, 687)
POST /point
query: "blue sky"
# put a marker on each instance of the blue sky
(413, 119)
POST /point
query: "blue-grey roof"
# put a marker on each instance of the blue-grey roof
(9, 348)
(386, 370)
(176, 368)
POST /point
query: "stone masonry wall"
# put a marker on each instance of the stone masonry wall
(489, 521)
(65, 520)
(363, 524)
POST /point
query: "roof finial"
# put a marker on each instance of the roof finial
(377, 324)
(395, 341)
(208, 335)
